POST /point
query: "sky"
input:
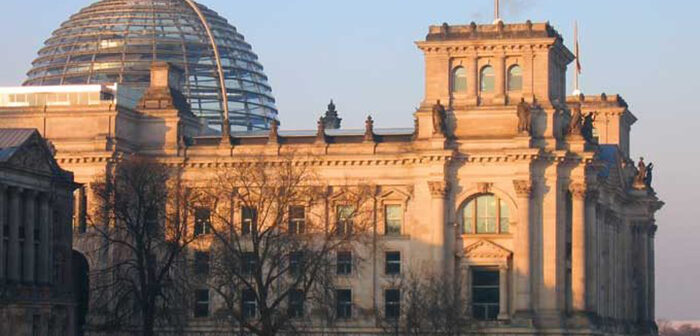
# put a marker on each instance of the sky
(361, 53)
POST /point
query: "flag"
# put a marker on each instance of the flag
(577, 51)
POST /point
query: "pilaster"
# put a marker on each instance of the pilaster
(444, 237)
(13, 262)
(29, 241)
(523, 249)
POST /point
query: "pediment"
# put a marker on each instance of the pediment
(485, 249)
(396, 193)
(34, 156)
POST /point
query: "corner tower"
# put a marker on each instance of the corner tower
(481, 73)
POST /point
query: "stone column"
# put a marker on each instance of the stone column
(500, 85)
(472, 80)
(29, 223)
(3, 222)
(591, 222)
(652, 274)
(578, 248)
(523, 249)
(13, 263)
(503, 292)
(44, 275)
(444, 238)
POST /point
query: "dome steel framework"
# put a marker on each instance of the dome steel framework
(115, 41)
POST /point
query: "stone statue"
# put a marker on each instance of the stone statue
(649, 175)
(640, 179)
(524, 117)
(587, 127)
(439, 116)
(576, 123)
(369, 129)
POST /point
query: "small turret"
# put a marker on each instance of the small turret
(331, 120)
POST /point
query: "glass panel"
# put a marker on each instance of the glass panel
(486, 214)
(515, 78)
(468, 217)
(393, 217)
(488, 79)
(459, 80)
(504, 220)
(485, 293)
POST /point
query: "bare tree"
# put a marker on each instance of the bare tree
(139, 217)
(430, 304)
(276, 228)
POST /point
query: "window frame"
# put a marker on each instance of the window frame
(392, 267)
(493, 307)
(392, 306)
(297, 225)
(249, 307)
(202, 226)
(509, 78)
(464, 86)
(344, 226)
(198, 304)
(473, 226)
(295, 306)
(343, 306)
(346, 264)
(249, 217)
(248, 263)
(391, 233)
(199, 268)
(491, 76)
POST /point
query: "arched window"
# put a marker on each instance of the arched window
(515, 78)
(488, 79)
(485, 214)
(459, 79)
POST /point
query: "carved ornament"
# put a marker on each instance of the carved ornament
(439, 188)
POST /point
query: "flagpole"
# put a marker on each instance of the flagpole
(577, 70)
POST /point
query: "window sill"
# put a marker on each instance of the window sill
(486, 235)
(395, 237)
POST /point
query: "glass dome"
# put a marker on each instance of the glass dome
(117, 40)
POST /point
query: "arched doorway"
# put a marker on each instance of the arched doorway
(81, 288)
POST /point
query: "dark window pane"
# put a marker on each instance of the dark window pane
(248, 220)
(344, 263)
(343, 303)
(393, 263)
(248, 304)
(485, 293)
(201, 304)
(202, 221)
(392, 303)
(296, 303)
(201, 263)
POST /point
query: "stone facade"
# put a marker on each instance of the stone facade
(571, 241)
(36, 197)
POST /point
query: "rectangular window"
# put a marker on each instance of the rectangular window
(202, 221)
(249, 217)
(296, 304)
(393, 263)
(249, 304)
(248, 263)
(201, 303)
(201, 263)
(486, 214)
(344, 214)
(344, 263)
(296, 263)
(392, 304)
(343, 303)
(485, 293)
(297, 219)
(393, 220)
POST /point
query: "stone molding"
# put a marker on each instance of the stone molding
(485, 249)
(485, 187)
(523, 188)
(439, 188)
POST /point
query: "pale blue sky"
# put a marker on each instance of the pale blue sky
(361, 54)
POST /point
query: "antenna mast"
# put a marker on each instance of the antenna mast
(577, 52)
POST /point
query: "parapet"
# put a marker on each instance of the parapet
(527, 30)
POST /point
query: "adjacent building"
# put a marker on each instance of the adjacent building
(37, 296)
(527, 195)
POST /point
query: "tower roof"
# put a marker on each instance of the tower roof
(115, 41)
